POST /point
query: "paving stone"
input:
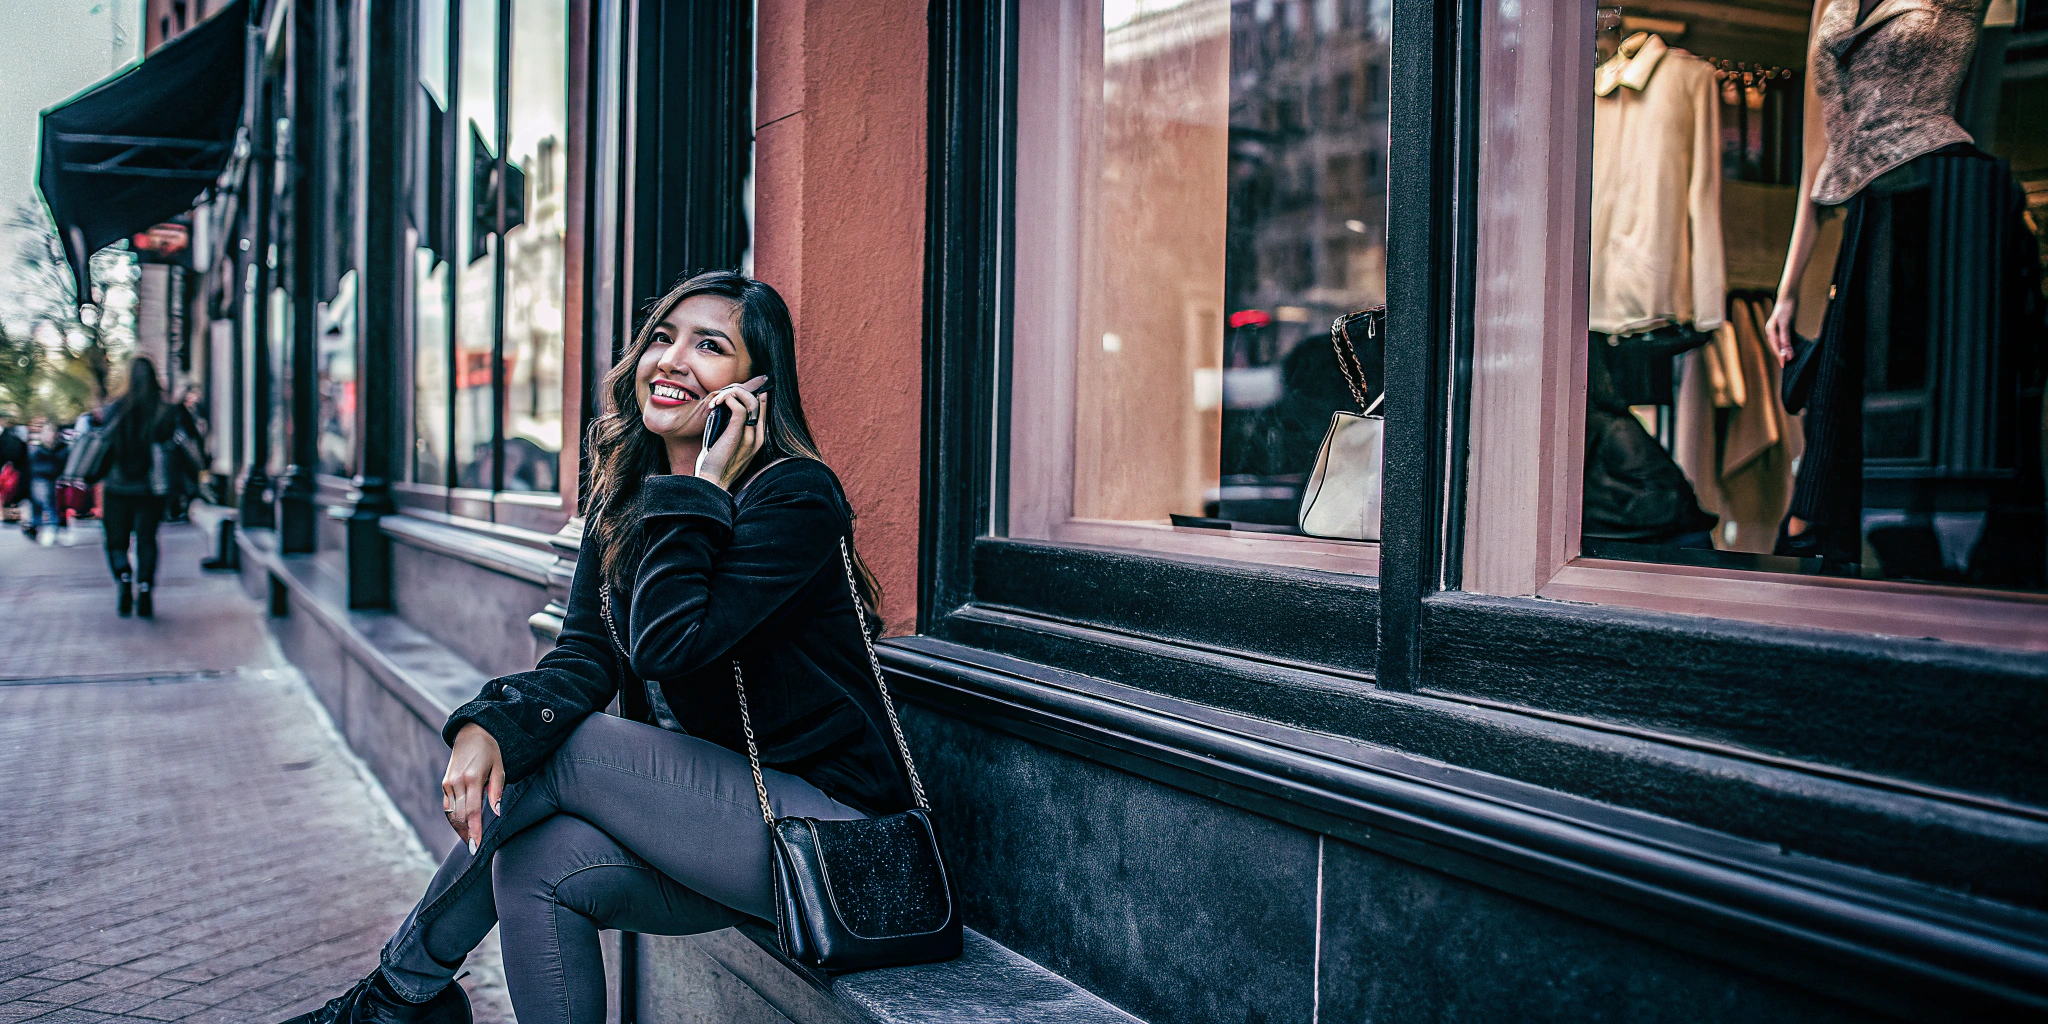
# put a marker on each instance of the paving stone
(70, 992)
(157, 988)
(118, 978)
(15, 967)
(22, 988)
(167, 1009)
(67, 971)
(20, 1010)
(115, 1002)
(71, 1015)
(207, 849)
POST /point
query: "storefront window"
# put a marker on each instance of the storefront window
(493, 224)
(1861, 194)
(431, 269)
(334, 353)
(430, 370)
(475, 261)
(534, 269)
(1200, 192)
(334, 338)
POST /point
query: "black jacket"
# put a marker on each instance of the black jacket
(755, 577)
(126, 468)
(46, 463)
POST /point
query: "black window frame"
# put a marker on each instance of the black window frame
(1001, 593)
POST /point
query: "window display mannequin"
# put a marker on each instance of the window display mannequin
(1931, 253)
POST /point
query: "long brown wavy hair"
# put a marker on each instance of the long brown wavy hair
(136, 418)
(624, 452)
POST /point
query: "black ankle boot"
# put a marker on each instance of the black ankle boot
(373, 1001)
(127, 595)
(143, 606)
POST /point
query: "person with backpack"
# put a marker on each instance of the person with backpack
(137, 456)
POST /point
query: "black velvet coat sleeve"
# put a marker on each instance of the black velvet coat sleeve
(530, 713)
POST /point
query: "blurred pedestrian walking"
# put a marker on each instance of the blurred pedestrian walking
(185, 478)
(48, 521)
(13, 467)
(138, 454)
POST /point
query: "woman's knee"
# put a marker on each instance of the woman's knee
(567, 866)
(534, 863)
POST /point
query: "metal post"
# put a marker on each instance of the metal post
(381, 314)
(256, 486)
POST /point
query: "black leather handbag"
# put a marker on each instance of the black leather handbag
(855, 895)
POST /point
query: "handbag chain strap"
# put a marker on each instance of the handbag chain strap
(1347, 353)
(739, 684)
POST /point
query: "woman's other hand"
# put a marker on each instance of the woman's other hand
(476, 772)
(1778, 329)
(726, 458)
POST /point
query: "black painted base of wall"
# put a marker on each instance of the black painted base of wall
(1176, 907)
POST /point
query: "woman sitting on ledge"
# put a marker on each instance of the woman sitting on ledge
(570, 820)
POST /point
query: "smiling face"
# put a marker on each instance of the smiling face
(695, 350)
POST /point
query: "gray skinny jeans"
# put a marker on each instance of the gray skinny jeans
(628, 826)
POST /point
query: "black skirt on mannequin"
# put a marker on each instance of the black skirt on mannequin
(1937, 265)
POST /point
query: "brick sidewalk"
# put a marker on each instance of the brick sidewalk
(184, 838)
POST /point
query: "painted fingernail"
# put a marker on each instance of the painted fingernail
(472, 847)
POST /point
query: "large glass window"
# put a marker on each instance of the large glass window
(489, 290)
(334, 339)
(1816, 308)
(1200, 192)
(431, 256)
(476, 266)
(334, 352)
(535, 278)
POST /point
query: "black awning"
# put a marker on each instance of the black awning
(139, 148)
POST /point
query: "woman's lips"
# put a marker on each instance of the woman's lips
(667, 395)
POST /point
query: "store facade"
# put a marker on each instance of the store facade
(1064, 271)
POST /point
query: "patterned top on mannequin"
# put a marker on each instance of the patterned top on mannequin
(1888, 78)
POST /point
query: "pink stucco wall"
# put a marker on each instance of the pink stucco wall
(839, 200)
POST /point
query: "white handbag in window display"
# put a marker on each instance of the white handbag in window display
(1341, 500)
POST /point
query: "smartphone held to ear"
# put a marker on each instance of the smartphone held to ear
(716, 420)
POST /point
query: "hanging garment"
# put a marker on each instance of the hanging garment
(1656, 257)
(1888, 78)
(1734, 439)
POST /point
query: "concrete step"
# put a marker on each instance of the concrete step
(740, 975)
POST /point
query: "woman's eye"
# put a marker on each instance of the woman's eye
(708, 344)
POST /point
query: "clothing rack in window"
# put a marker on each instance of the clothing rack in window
(1762, 119)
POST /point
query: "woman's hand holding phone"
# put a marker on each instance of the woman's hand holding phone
(729, 453)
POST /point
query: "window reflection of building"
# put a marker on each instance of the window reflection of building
(475, 123)
(1191, 404)
(1146, 425)
(534, 269)
(1307, 236)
